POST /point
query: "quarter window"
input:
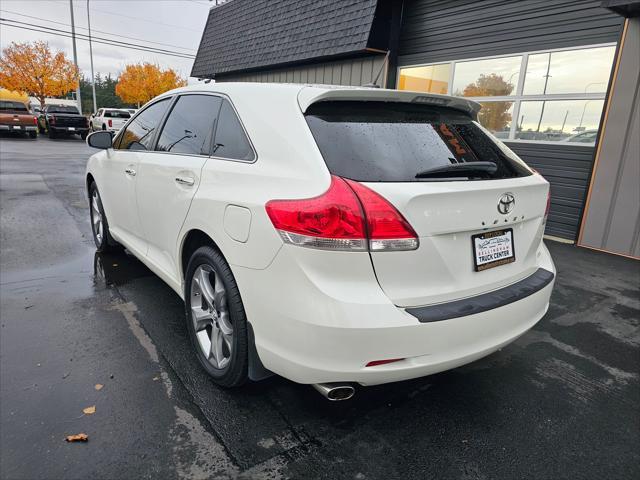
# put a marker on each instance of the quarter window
(231, 141)
(190, 124)
(534, 96)
(140, 131)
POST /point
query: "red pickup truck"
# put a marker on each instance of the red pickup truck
(16, 117)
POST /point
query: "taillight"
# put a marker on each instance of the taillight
(35, 120)
(387, 228)
(348, 216)
(110, 123)
(375, 363)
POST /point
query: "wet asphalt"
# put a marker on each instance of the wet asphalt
(561, 402)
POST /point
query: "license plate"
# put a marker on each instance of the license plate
(491, 249)
(17, 127)
(71, 129)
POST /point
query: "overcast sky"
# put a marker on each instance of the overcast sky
(175, 25)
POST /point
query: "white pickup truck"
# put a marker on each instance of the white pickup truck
(111, 119)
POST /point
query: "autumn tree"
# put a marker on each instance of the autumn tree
(141, 82)
(34, 69)
(494, 116)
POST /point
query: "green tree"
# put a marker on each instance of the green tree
(105, 94)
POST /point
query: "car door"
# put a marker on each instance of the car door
(169, 177)
(119, 174)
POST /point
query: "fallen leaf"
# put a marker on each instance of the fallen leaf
(79, 437)
(89, 410)
(98, 386)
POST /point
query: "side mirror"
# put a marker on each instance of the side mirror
(101, 139)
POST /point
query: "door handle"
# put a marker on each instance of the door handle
(130, 171)
(185, 181)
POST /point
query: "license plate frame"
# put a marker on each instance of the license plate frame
(72, 129)
(17, 127)
(492, 248)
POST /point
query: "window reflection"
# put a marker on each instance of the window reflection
(431, 79)
(496, 117)
(572, 71)
(559, 120)
(487, 78)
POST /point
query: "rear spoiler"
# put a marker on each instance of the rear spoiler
(311, 94)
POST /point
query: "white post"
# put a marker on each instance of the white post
(93, 78)
(75, 57)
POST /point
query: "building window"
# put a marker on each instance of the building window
(548, 96)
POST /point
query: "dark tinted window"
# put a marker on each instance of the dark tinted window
(189, 126)
(18, 107)
(139, 132)
(392, 142)
(62, 109)
(231, 141)
(116, 114)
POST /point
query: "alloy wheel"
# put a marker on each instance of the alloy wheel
(210, 316)
(96, 217)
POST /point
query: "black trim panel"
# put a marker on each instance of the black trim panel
(487, 301)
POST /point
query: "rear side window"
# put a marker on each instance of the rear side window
(231, 141)
(139, 132)
(189, 127)
(393, 142)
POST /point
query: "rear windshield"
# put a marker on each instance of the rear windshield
(393, 142)
(117, 114)
(6, 106)
(62, 109)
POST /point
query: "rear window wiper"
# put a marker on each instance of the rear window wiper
(465, 169)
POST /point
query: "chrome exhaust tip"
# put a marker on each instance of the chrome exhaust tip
(335, 392)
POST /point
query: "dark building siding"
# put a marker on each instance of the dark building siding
(441, 30)
(353, 71)
(445, 30)
(567, 170)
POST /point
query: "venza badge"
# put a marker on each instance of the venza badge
(506, 203)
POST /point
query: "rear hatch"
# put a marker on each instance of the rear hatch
(477, 209)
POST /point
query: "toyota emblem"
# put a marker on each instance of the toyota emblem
(506, 203)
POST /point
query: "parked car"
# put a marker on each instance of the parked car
(63, 119)
(15, 117)
(587, 136)
(334, 236)
(111, 119)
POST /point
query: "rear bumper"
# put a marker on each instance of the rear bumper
(69, 129)
(18, 128)
(312, 329)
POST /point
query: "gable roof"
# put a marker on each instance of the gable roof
(248, 34)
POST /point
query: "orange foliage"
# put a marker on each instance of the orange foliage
(34, 69)
(141, 82)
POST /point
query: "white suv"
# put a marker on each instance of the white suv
(334, 236)
(111, 119)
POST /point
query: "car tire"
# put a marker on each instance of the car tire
(214, 309)
(84, 135)
(33, 134)
(99, 224)
(52, 133)
(104, 127)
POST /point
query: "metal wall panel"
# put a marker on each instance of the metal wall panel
(353, 71)
(567, 170)
(441, 30)
(612, 215)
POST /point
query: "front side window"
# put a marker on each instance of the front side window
(231, 141)
(400, 142)
(190, 124)
(553, 96)
(139, 133)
